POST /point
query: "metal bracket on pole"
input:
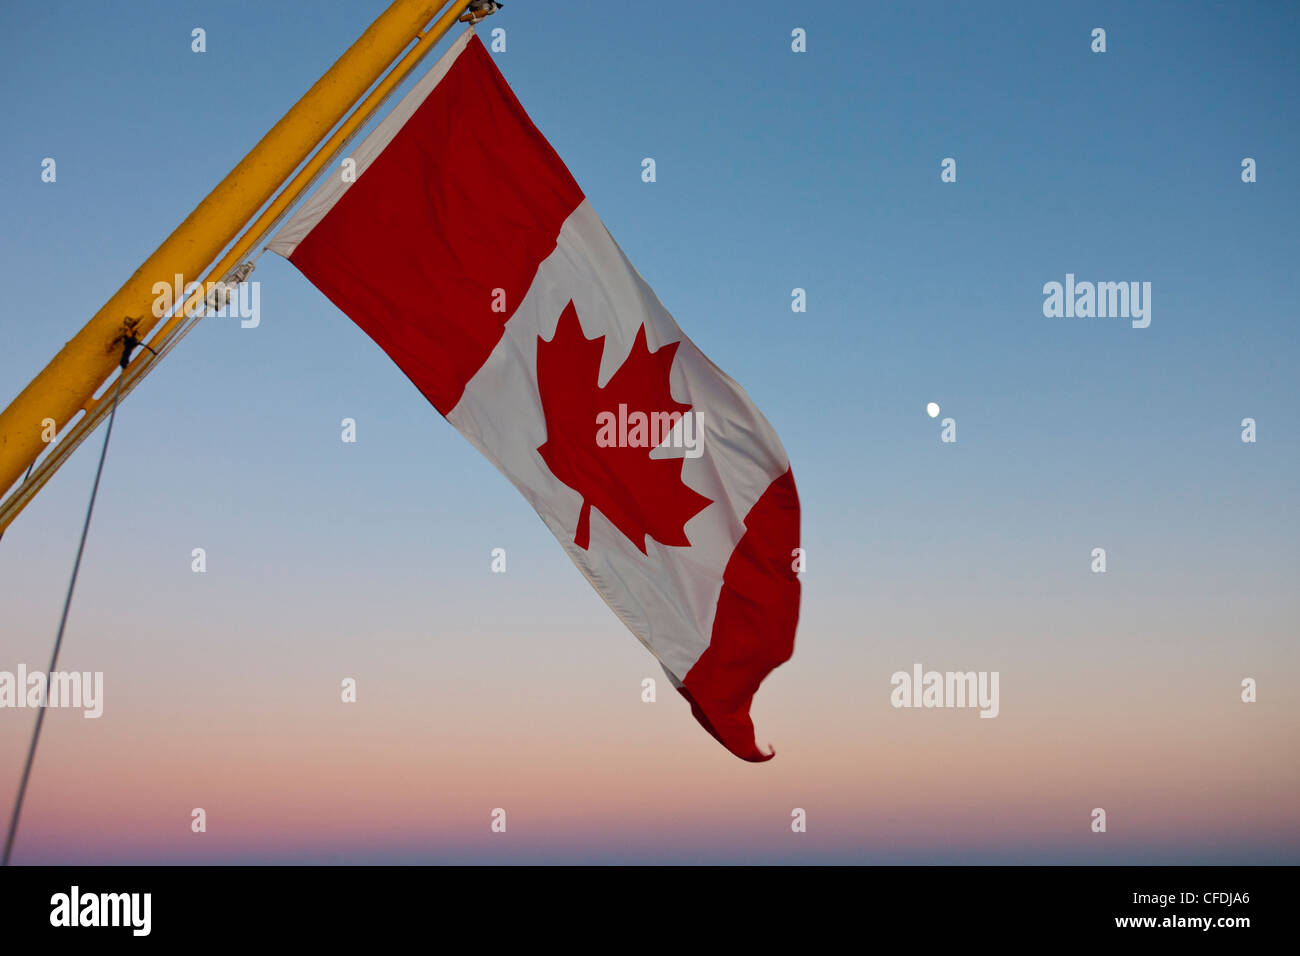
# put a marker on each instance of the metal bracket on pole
(480, 10)
(225, 287)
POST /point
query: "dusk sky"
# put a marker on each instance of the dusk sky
(775, 170)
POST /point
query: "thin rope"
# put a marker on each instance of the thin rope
(63, 623)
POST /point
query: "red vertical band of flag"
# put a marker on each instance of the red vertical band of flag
(753, 632)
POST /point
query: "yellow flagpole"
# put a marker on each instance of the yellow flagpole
(68, 384)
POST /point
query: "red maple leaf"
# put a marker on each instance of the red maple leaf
(640, 495)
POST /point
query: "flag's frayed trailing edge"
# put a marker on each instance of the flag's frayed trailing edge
(465, 249)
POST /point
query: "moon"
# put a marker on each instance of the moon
(932, 409)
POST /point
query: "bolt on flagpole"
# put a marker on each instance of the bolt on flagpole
(69, 382)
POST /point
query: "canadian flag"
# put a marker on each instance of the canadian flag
(465, 249)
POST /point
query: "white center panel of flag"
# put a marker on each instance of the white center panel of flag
(667, 596)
